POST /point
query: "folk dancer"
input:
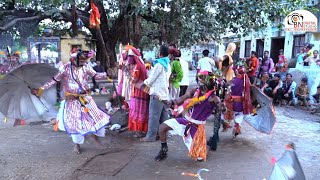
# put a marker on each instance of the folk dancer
(196, 105)
(80, 116)
(237, 102)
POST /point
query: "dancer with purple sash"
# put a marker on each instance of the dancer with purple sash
(238, 101)
(195, 107)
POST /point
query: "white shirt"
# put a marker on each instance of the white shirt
(185, 69)
(206, 64)
(158, 81)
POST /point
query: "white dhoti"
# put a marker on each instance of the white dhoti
(195, 141)
(178, 129)
(79, 138)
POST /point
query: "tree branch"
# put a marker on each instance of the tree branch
(12, 23)
(16, 12)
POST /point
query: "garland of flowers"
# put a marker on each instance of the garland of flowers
(197, 100)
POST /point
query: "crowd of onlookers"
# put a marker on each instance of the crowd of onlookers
(274, 80)
(272, 76)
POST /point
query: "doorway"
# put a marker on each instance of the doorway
(260, 48)
(276, 45)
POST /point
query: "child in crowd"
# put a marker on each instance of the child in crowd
(303, 92)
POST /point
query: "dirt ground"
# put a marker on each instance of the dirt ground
(37, 152)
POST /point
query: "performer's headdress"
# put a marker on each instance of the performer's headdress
(207, 80)
(78, 54)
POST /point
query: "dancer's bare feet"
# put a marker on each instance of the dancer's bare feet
(76, 149)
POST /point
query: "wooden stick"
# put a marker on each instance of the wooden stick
(189, 174)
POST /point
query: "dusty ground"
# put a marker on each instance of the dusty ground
(37, 152)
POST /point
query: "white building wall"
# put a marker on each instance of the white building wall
(313, 38)
(242, 47)
(288, 45)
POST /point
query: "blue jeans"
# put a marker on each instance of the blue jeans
(157, 114)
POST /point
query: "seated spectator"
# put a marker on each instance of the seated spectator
(315, 102)
(303, 92)
(312, 59)
(271, 88)
(286, 93)
(264, 80)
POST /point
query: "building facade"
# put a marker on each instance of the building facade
(273, 39)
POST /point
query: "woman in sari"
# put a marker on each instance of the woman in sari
(139, 100)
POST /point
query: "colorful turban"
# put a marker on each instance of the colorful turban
(208, 79)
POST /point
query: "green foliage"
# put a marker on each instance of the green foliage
(183, 21)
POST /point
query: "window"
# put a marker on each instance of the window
(298, 43)
(247, 52)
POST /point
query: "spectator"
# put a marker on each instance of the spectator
(98, 67)
(300, 56)
(309, 53)
(252, 64)
(311, 60)
(281, 61)
(185, 80)
(286, 93)
(176, 73)
(271, 88)
(315, 102)
(206, 63)
(267, 64)
(158, 81)
(303, 92)
(264, 80)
